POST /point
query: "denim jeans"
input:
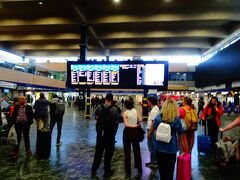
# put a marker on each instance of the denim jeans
(152, 151)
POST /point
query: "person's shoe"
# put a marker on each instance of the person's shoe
(148, 164)
(108, 174)
(154, 165)
(28, 152)
(59, 144)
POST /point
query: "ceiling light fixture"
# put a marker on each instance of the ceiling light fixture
(116, 1)
(167, 1)
(40, 2)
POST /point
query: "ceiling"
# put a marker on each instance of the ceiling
(128, 28)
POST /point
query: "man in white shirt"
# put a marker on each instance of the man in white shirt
(153, 105)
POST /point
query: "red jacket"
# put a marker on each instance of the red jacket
(207, 111)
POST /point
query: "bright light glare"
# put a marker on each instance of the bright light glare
(190, 60)
(9, 57)
(116, 1)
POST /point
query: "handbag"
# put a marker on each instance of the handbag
(140, 133)
(12, 136)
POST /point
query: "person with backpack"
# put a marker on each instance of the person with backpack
(41, 110)
(153, 105)
(211, 114)
(106, 117)
(130, 137)
(57, 110)
(189, 115)
(166, 144)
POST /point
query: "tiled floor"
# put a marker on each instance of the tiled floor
(74, 158)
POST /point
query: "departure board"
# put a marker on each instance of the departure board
(118, 75)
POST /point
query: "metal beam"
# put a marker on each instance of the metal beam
(84, 21)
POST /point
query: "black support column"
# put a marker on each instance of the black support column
(83, 43)
(145, 106)
(88, 104)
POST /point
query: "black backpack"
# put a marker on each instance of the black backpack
(105, 121)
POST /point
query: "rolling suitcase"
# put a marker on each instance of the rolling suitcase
(204, 143)
(184, 168)
(43, 146)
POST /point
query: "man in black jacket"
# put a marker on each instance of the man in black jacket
(22, 119)
(107, 118)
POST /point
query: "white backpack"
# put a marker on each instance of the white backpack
(163, 132)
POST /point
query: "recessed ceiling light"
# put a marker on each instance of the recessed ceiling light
(40, 2)
(116, 1)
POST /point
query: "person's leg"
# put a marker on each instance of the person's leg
(161, 164)
(171, 160)
(18, 128)
(98, 153)
(190, 139)
(152, 153)
(109, 141)
(137, 155)
(127, 151)
(52, 123)
(26, 128)
(59, 128)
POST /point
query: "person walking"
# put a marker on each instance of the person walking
(106, 117)
(56, 117)
(41, 111)
(166, 152)
(153, 105)
(211, 114)
(22, 117)
(130, 137)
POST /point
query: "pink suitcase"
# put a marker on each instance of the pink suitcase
(184, 168)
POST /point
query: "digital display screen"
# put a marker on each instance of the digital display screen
(118, 74)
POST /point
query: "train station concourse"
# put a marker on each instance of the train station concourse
(70, 68)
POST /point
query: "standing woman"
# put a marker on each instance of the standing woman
(187, 139)
(166, 152)
(211, 114)
(131, 119)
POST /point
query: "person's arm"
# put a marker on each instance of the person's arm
(203, 116)
(150, 132)
(219, 110)
(233, 124)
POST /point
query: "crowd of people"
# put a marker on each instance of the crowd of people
(182, 121)
(21, 115)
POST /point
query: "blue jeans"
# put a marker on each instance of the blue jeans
(152, 151)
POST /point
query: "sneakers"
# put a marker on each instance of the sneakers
(28, 152)
(151, 165)
(59, 144)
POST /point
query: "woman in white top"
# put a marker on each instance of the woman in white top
(131, 119)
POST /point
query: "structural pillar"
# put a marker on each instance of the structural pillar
(83, 43)
(145, 106)
(88, 105)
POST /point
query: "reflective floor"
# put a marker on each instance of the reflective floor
(74, 158)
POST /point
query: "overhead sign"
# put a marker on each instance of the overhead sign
(9, 85)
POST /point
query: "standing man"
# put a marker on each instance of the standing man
(41, 110)
(56, 116)
(22, 118)
(107, 118)
(153, 105)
